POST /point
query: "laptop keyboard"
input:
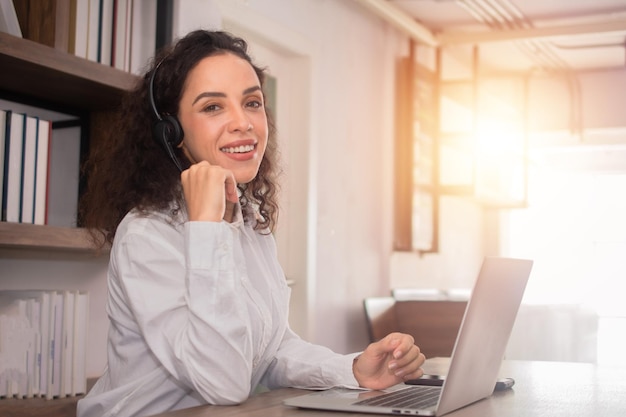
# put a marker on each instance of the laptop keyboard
(416, 398)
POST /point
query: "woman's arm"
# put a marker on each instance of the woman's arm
(300, 364)
(390, 361)
(190, 304)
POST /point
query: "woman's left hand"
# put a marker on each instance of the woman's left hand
(393, 359)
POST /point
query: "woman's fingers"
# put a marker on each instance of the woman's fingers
(207, 188)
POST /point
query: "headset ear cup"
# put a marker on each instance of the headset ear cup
(176, 133)
(168, 130)
(168, 134)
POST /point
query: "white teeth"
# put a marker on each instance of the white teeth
(239, 149)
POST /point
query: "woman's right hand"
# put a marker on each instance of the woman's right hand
(209, 190)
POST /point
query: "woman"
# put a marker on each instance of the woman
(197, 300)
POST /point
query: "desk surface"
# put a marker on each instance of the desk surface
(551, 389)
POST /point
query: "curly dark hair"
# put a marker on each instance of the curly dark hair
(130, 170)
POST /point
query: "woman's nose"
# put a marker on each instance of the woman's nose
(240, 121)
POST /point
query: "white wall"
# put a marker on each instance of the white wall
(463, 227)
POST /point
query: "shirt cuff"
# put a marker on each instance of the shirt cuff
(346, 374)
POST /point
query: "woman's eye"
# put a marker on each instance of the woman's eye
(211, 108)
(257, 104)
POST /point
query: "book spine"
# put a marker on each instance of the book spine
(13, 170)
(5, 168)
(27, 212)
(3, 135)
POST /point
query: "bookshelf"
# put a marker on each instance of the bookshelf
(57, 79)
(44, 76)
(51, 77)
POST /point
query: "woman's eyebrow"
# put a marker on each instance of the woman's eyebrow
(217, 94)
(251, 89)
(207, 94)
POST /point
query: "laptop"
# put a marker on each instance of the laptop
(476, 358)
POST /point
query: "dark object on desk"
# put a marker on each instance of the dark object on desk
(437, 381)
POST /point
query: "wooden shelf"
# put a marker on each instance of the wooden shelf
(44, 73)
(40, 407)
(31, 236)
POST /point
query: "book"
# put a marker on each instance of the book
(45, 340)
(67, 361)
(80, 9)
(81, 320)
(29, 154)
(143, 35)
(64, 172)
(33, 312)
(8, 18)
(55, 366)
(18, 338)
(3, 118)
(128, 35)
(14, 329)
(106, 31)
(41, 171)
(14, 147)
(122, 18)
(12, 321)
(93, 30)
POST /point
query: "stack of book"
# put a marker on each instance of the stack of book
(43, 336)
(24, 160)
(113, 32)
(39, 165)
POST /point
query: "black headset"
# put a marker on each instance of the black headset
(167, 131)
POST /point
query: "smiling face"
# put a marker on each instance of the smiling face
(223, 116)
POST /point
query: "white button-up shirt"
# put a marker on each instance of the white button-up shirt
(198, 315)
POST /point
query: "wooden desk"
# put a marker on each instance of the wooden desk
(553, 389)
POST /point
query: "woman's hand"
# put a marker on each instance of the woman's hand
(209, 190)
(391, 360)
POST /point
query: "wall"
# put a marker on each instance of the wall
(463, 230)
